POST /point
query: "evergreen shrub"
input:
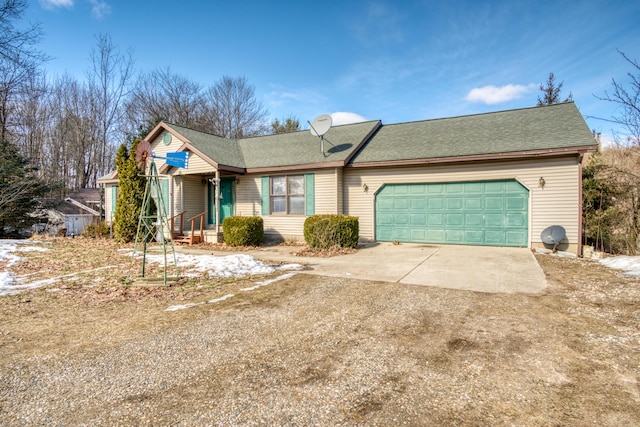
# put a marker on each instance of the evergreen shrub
(326, 231)
(243, 230)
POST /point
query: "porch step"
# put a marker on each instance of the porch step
(186, 238)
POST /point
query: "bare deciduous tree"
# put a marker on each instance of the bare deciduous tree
(19, 60)
(628, 98)
(234, 110)
(168, 96)
(108, 79)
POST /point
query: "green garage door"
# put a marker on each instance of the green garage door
(492, 213)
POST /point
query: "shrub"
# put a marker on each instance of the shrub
(243, 230)
(95, 231)
(326, 231)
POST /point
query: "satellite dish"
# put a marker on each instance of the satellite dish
(553, 235)
(143, 153)
(321, 125)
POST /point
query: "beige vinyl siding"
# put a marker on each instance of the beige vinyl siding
(108, 203)
(339, 193)
(196, 166)
(326, 191)
(193, 194)
(158, 147)
(290, 227)
(556, 204)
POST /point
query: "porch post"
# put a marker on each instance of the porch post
(217, 198)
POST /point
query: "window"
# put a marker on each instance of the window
(287, 194)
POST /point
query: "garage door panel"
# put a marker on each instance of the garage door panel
(418, 203)
(474, 220)
(473, 203)
(515, 238)
(454, 203)
(435, 236)
(400, 203)
(418, 219)
(435, 203)
(494, 203)
(454, 219)
(418, 234)
(435, 219)
(401, 219)
(494, 237)
(516, 219)
(474, 237)
(454, 188)
(494, 220)
(494, 187)
(454, 236)
(478, 213)
(516, 203)
(473, 187)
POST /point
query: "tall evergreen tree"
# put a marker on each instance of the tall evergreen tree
(551, 92)
(130, 194)
(290, 124)
(19, 191)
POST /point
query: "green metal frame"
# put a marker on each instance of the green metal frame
(153, 222)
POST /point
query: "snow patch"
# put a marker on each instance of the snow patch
(270, 281)
(629, 264)
(235, 265)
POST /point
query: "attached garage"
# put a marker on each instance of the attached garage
(490, 213)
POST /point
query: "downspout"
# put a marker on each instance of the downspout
(580, 213)
(217, 200)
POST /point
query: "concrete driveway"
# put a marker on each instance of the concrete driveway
(475, 268)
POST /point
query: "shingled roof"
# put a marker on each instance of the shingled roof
(498, 134)
(526, 132)
(295, 149)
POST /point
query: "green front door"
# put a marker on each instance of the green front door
(491, 213)
(226, 200)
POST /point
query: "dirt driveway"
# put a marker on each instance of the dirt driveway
(313, 350)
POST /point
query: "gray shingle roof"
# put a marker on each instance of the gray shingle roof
(224, 151)
(513, 131)
(288, 149)
(536, 128)
(301, 148)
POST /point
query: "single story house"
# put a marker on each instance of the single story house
(496, 178)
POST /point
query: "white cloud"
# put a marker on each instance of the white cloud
(51, 4)
(99, 8)
(345, 118)
(496, 95)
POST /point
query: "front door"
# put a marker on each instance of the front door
(226, 200)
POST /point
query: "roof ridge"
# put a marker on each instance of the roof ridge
(487, 113)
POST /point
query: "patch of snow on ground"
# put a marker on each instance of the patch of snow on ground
(183, 306)
(629, 264)
(235, 265)
(7, 248)
(270, 281)
(193, 304)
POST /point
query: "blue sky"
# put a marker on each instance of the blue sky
(389, 60)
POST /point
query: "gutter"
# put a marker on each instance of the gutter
(551, 152)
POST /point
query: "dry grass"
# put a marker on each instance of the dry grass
(351, 352)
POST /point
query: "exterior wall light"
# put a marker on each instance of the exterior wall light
(365, 187)
(541, 182)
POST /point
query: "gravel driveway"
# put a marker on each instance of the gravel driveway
(314, 350)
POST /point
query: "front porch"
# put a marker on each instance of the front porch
(196, 233)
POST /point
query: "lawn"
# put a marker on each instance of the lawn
(96, 349)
